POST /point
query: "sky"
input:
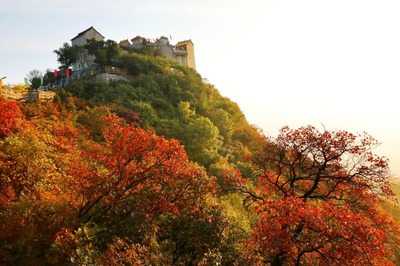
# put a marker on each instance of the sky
(331, 64)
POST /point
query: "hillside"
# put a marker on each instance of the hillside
(177, 103)
(125, 172)
(156, 167)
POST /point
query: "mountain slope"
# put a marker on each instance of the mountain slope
(177, 103)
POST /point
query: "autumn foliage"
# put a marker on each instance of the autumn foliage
(318, 195)
(10, 117)
(163, 170)
(65, 197)
(111, 193)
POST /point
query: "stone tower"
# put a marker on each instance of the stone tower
(184, 53)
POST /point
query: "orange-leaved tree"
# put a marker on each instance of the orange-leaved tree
(33, 158)
(317, 198)
(120, 188)
(66, 197)
(10, 115)
(133, 163)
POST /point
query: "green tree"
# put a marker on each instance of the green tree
(67, 55)
(48, 77)
(147, 114)
(223, 121)
(103, 51)
(35, 78)
(185, 113)
(202, 141)
(93, 119)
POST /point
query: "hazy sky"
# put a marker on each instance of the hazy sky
(285, 62)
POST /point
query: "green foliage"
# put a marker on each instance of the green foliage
(81, 185)
(34, 78)
(176, 102)
(185, 113)
(67, 55)
(194, 237)
(237, 231)
(202, 141)
(48, 77)
(222, 120)
(105, 52)
(37, 78)
(145, 50)
(148, 115)
(93, 119)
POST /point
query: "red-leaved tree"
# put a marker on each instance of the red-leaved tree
(65, 197)
(317, 195)
(10, 117)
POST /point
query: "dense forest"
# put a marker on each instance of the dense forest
(161, 169)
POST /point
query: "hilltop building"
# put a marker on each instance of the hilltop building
(183, 51)
(90, 33)
(80, 40)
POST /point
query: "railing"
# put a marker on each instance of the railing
(83, 73)
(61, 83)
(112, 70)
(180, 52)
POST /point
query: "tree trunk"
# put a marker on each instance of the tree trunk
(277, 261)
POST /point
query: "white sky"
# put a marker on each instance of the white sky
(285, 62)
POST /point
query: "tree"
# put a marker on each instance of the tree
(11, 117)
(202, 141)
(94, 121)
(222, 120)
(35, 78)
(147, 114)
(103, 51)
(317, 195)
(122, 186)
(67, 55)
(32, 208)
(48, 77)
(66, 197)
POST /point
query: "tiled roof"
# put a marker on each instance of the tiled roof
(183, 42)
(83, 33)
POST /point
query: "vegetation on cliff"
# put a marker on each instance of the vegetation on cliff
(163, 170)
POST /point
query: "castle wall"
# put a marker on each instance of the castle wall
(182, 59)
(190, 57)
(184, 53)
(167, 51)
